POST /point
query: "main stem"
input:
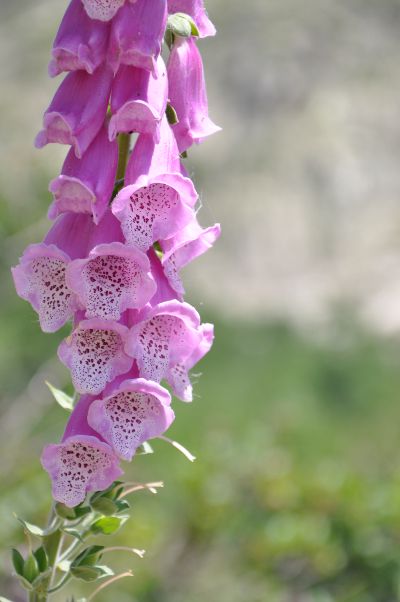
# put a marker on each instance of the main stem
(123, 153)
(51, 544)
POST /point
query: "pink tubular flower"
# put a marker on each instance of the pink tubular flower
(194, 8)
(136, 411)
(178, 373)
(167, 335)
(158, 200)
(185, 246)
(94, 353)
(77, 111)
(86, 184)
(187, 94)
(138, 100)
(112, 279)
(40, 276)
(137, 31)
(80, 43)
(82, 462)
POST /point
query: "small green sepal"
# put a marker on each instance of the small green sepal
(18, 561)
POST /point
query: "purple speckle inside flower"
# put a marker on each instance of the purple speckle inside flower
(148, 207)
(155, 339)
(110, 280)
(47, 280)
(79, 464)
(94, 352)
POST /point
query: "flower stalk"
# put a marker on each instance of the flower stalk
(125, 223)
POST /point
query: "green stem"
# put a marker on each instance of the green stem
(123, 153)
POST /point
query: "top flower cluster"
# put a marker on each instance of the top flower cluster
(112, 264)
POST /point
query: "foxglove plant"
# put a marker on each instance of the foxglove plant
(125, 223)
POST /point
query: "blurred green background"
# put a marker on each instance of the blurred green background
(295, 495)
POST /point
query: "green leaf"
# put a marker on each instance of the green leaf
(81, 511)
(105, 506)
(122, 505)
(31, 569)
(41, 559)
(172, 120)
(38, 531)
(73, 533)
(88, 557)
(107, 525)
(86, 573)
(18, 561)
(91, 573)
(63, 400)
(109, 492)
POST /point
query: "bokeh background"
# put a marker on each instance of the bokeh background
(295, 495)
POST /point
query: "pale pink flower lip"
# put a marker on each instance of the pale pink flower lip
(167, 334)
(79, 465)
(95, 355)
(136, 411)
(40, 276)
(113, 278)
(102, 10)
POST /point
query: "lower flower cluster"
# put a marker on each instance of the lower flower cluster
(111, 261)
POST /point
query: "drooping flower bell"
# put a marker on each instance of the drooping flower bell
(95, 354)
(40, 277)
(137, 30)
(187, 94)
(138, 100)
(135, 411)
(80, 43)
(82, 462)
(85, 184)
(78, 109)
(157, 200)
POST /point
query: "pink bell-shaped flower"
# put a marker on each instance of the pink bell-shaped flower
(80, 43)
(187, 94)
(40, 276)
(137, 410)
(185, 246)
(167, 334)
(112, 279)
(95, 355)
(138, 100)
(158, 200)
(137, 32)
(86, 184)
(82, 462)
(78, 109)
